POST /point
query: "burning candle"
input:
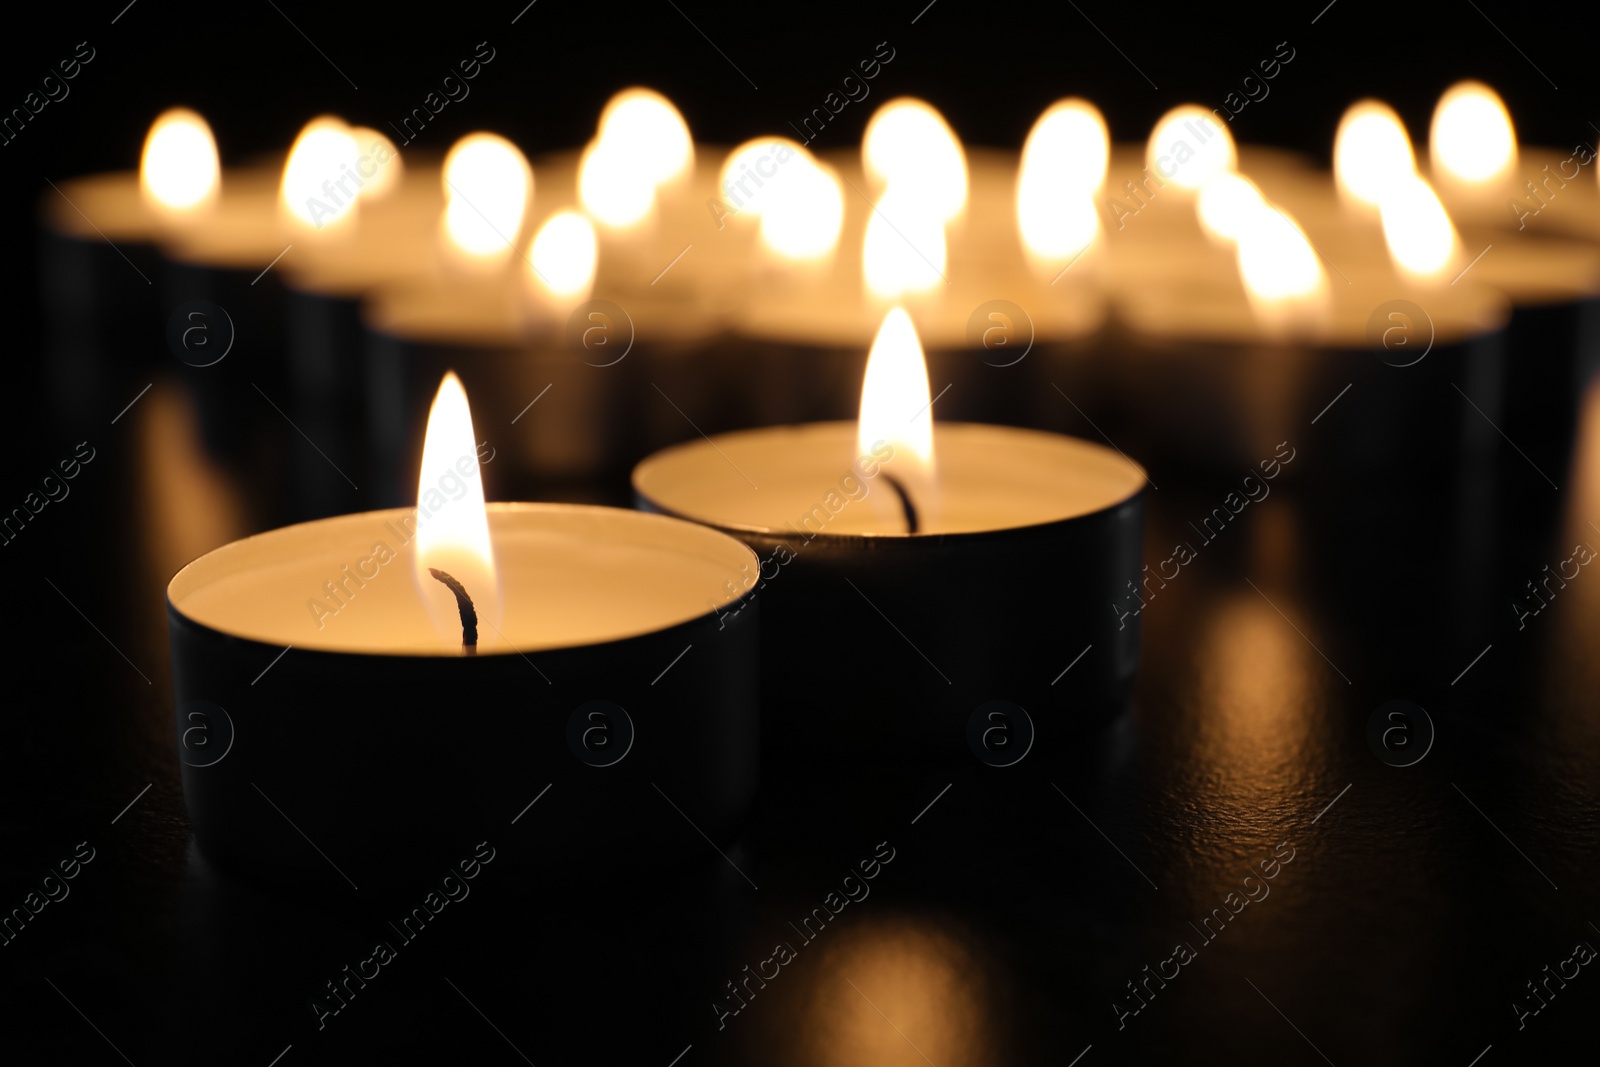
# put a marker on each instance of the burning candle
(795, 203)
(1063, 170)
(389, 238)
(318, 201)
(1487, 179)
(513, 323)
(179, 174)
(1252, 358)
(937, 231)
(900, 553)
(1389, 218)
(910, 153)
(488, 188)
(1152, 218)
(325, 662)
(100, 269)
(641, 160)
(233, 268)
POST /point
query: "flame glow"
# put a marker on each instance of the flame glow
(452, 521)
(1069, 147)
(1228, 204)
(487, 188)
(1064, 164)
(1471, 138)
(1371, 152)
(1280, 269)
(646, 125)
(1417, 229)
(895, 396)
(753, 172)
(1188, 147)
(179, 172)
(378, 163)
(799, 202)
(642, 144)
(909, 147)
(803, 222)
(318, 191)
(904, 250)
(564, 255)
(610, 190)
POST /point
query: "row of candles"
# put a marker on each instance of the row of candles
(1214, 258)
(704, 255)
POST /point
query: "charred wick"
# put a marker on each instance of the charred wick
(908, 506)
(469, 614)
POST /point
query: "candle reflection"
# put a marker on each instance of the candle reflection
(899, 991)
(1575, 604)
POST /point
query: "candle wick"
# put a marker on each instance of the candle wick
(906, 504)
(469, 614)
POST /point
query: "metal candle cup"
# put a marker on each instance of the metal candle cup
(881, 643)
(329, 746)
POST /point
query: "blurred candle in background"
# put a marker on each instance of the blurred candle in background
(104, 323)
(488, 189)
(179, 174)
(1062, 171)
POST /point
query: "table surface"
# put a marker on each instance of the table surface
(1228, 874)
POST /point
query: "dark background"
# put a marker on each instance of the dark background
(1402, 931)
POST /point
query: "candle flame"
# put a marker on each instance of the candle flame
(799, 202)
(452, 530)
(179, 172)
(1069, 146)
(904, 249)
(1282, 274)
(1422, 242)
(1227, 205)
(752, 173)
(564, 256)
(642, 145)
(803, 221)
(1064, 164)
(610, 189)
(652, 131)
(319, 187)
(378, 163)
(488, 186)
(1471, 138)
(1188, 147)
(895, 399)
(909, 147)
(1371, 152)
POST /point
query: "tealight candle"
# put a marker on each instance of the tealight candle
(902, 565)
(1487, 179)
(1383, 210)
(225, 271)
(947, 247)
(333, 725)
(515, 340)
(390, 242)
(100, 270)
(1254, 365)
